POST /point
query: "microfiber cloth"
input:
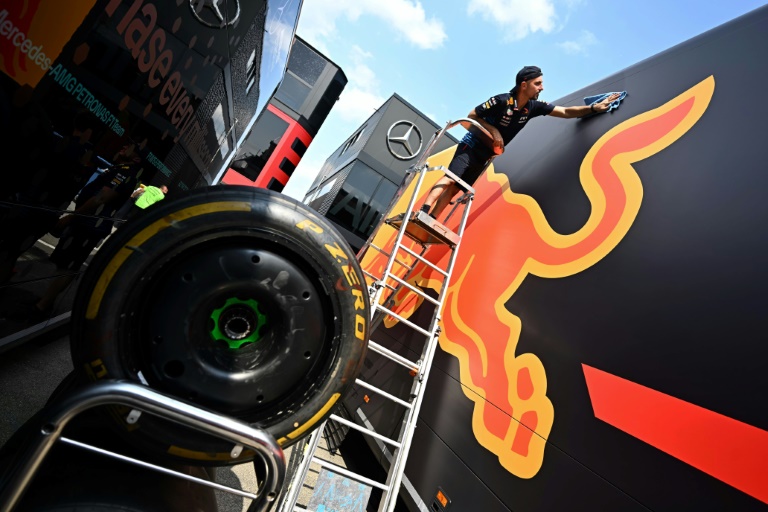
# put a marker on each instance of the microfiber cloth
(600, 97)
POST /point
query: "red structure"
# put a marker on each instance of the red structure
(278, 161)
(280, 136)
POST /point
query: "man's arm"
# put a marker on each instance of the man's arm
(498, 141)
(92, 204)
(87, 208)
(595, 108)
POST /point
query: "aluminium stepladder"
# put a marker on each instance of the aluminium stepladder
(426, 231)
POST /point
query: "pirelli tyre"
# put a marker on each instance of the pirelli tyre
(236, 299)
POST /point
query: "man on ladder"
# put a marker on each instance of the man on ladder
(503, 115)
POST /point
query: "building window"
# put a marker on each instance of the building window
(305, 63)
(351, 206)
(352, 140)
(260, 145)
(293, 91)
(275, 185)
(220, 128)
(250, 72)
(377, 207)
(287, 166)
(317, 199)
(299, 147)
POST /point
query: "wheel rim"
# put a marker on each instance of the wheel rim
(237, 325)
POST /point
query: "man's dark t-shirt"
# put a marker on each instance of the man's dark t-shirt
(86, 231)
(503, 112)
(121, 180)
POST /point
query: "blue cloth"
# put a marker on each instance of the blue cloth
(600, 97)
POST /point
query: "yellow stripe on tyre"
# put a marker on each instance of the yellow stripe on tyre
(111, 269)
(314, 419)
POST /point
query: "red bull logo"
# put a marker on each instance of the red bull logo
(512, 415)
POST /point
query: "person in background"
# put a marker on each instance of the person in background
(146, 196)
(91, 221)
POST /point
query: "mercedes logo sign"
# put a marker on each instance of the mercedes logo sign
(208, 12)
(404, 140)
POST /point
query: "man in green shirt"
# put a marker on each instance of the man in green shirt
(150, 195)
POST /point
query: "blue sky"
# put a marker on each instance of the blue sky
(447, 56)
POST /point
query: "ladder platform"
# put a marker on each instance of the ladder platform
(425, 229)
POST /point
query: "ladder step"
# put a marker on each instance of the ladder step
(377, 280)
(403, 320)
(349, 474)
(423, 260)
(414, 289)
(392, 355)
(385, 253)
(365, 431)
(374, 246)
(383, 393)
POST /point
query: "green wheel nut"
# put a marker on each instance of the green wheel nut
(237, 322)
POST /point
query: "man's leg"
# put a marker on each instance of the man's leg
(54, 289)
(464, 161)
(445, 198)
(436, 193)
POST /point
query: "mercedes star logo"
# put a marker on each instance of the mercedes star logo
(208, 12)
(402, 138)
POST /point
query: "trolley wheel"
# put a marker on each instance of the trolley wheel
(236, 299)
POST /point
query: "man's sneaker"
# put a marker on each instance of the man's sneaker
(425, 208)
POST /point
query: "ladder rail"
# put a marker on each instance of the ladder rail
(377, 317)
(292, 496)
(397, 242)
(380, 309)
(396, 473)
(397, 467)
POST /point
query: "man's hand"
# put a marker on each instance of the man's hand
(498, 143)
(605, 104)
(63, 222)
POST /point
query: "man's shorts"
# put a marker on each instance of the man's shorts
(468, 164)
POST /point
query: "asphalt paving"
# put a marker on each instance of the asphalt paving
(31, 372)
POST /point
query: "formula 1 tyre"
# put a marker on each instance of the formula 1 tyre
(236, 299)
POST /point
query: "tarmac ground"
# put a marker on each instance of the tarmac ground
(31, 372)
